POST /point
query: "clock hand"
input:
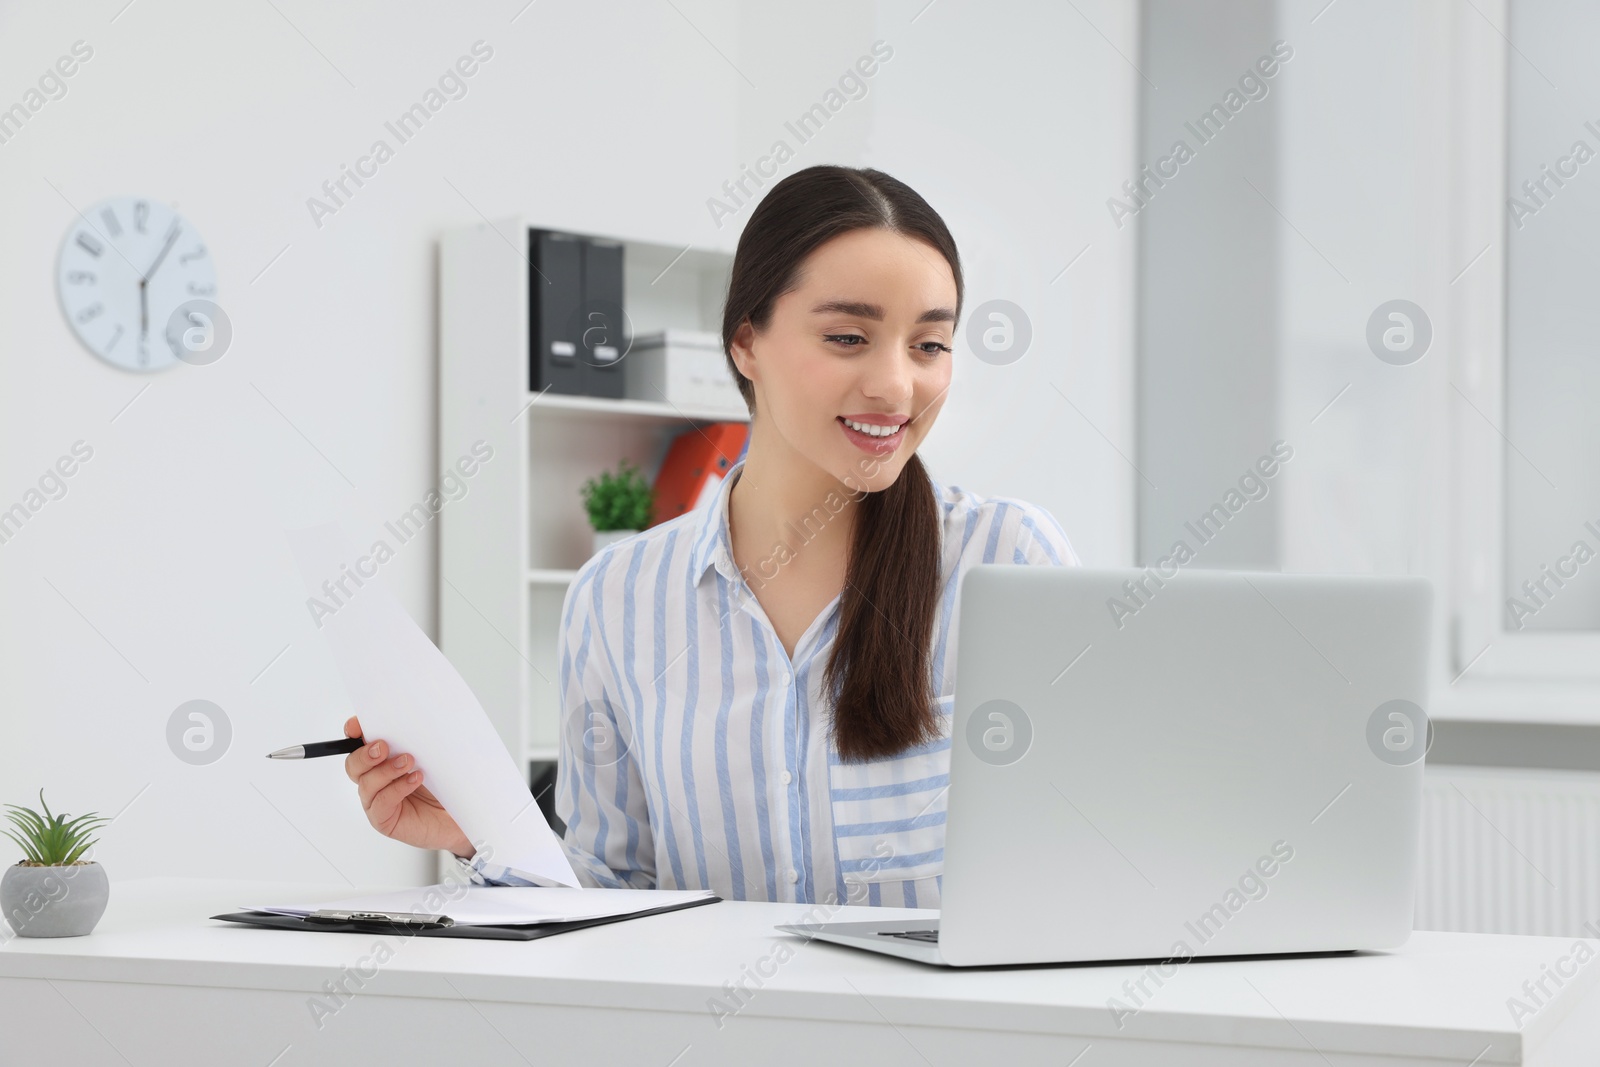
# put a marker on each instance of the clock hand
(144, 287)
(171, 237)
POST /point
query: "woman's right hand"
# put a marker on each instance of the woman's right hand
(397, 804)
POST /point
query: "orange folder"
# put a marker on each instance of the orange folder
(695, 466)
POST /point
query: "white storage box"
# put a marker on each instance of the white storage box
(683, 367)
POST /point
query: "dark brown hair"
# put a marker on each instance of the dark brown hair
(879, 672)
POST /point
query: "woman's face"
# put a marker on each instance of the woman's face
(865, 336)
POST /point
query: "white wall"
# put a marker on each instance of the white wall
(163, 576)
(1364, 171)
(1209, 276)
(1256, 300)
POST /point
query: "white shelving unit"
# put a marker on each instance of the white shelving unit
(510, 547)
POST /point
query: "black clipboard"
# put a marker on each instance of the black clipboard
(525, 932)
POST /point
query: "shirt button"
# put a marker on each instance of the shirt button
(793, 876)
(787, 778)
(788, 679)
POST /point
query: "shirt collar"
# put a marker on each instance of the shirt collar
(712, 542)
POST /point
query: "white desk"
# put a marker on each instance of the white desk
(159, 983)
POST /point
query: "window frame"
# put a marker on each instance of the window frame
(1482, 647)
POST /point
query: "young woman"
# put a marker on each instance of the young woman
(758, 693)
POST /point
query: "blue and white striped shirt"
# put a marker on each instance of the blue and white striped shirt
(696, 755)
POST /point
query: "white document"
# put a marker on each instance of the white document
(478, 905)
(405, 692)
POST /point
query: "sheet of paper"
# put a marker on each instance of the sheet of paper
(477, 905)
(405, 691)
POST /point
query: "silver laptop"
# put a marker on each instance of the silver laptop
(1145, 767)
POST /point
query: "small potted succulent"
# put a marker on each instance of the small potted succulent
(619, 504)
(53, 892)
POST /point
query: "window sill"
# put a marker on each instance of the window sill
(1557, 703)
(1534, 725)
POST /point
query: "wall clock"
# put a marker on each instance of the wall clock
(128, 270)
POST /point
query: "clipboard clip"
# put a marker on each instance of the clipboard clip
(409, 919)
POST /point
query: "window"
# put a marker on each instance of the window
(1529, 596)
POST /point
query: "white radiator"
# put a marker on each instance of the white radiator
(1509, 851)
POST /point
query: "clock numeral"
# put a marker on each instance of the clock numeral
(109, 217)
(198, 253)
(90, 312)
(202, 290)
(80, 277)
(90, 245)
(141, 215)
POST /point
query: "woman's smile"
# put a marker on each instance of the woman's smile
(877, 435)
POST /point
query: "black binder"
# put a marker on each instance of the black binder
(555, 296)
(603, 339)
(524, 932)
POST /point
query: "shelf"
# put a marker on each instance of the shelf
(517, 541)
(557, 404)
(551, 576)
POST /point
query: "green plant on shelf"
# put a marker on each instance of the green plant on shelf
(51, 840)
(619, 500)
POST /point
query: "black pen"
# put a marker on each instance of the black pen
(318, 748)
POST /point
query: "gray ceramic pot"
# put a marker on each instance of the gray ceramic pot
(54, 901)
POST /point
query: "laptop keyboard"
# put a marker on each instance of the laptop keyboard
(930, 936)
